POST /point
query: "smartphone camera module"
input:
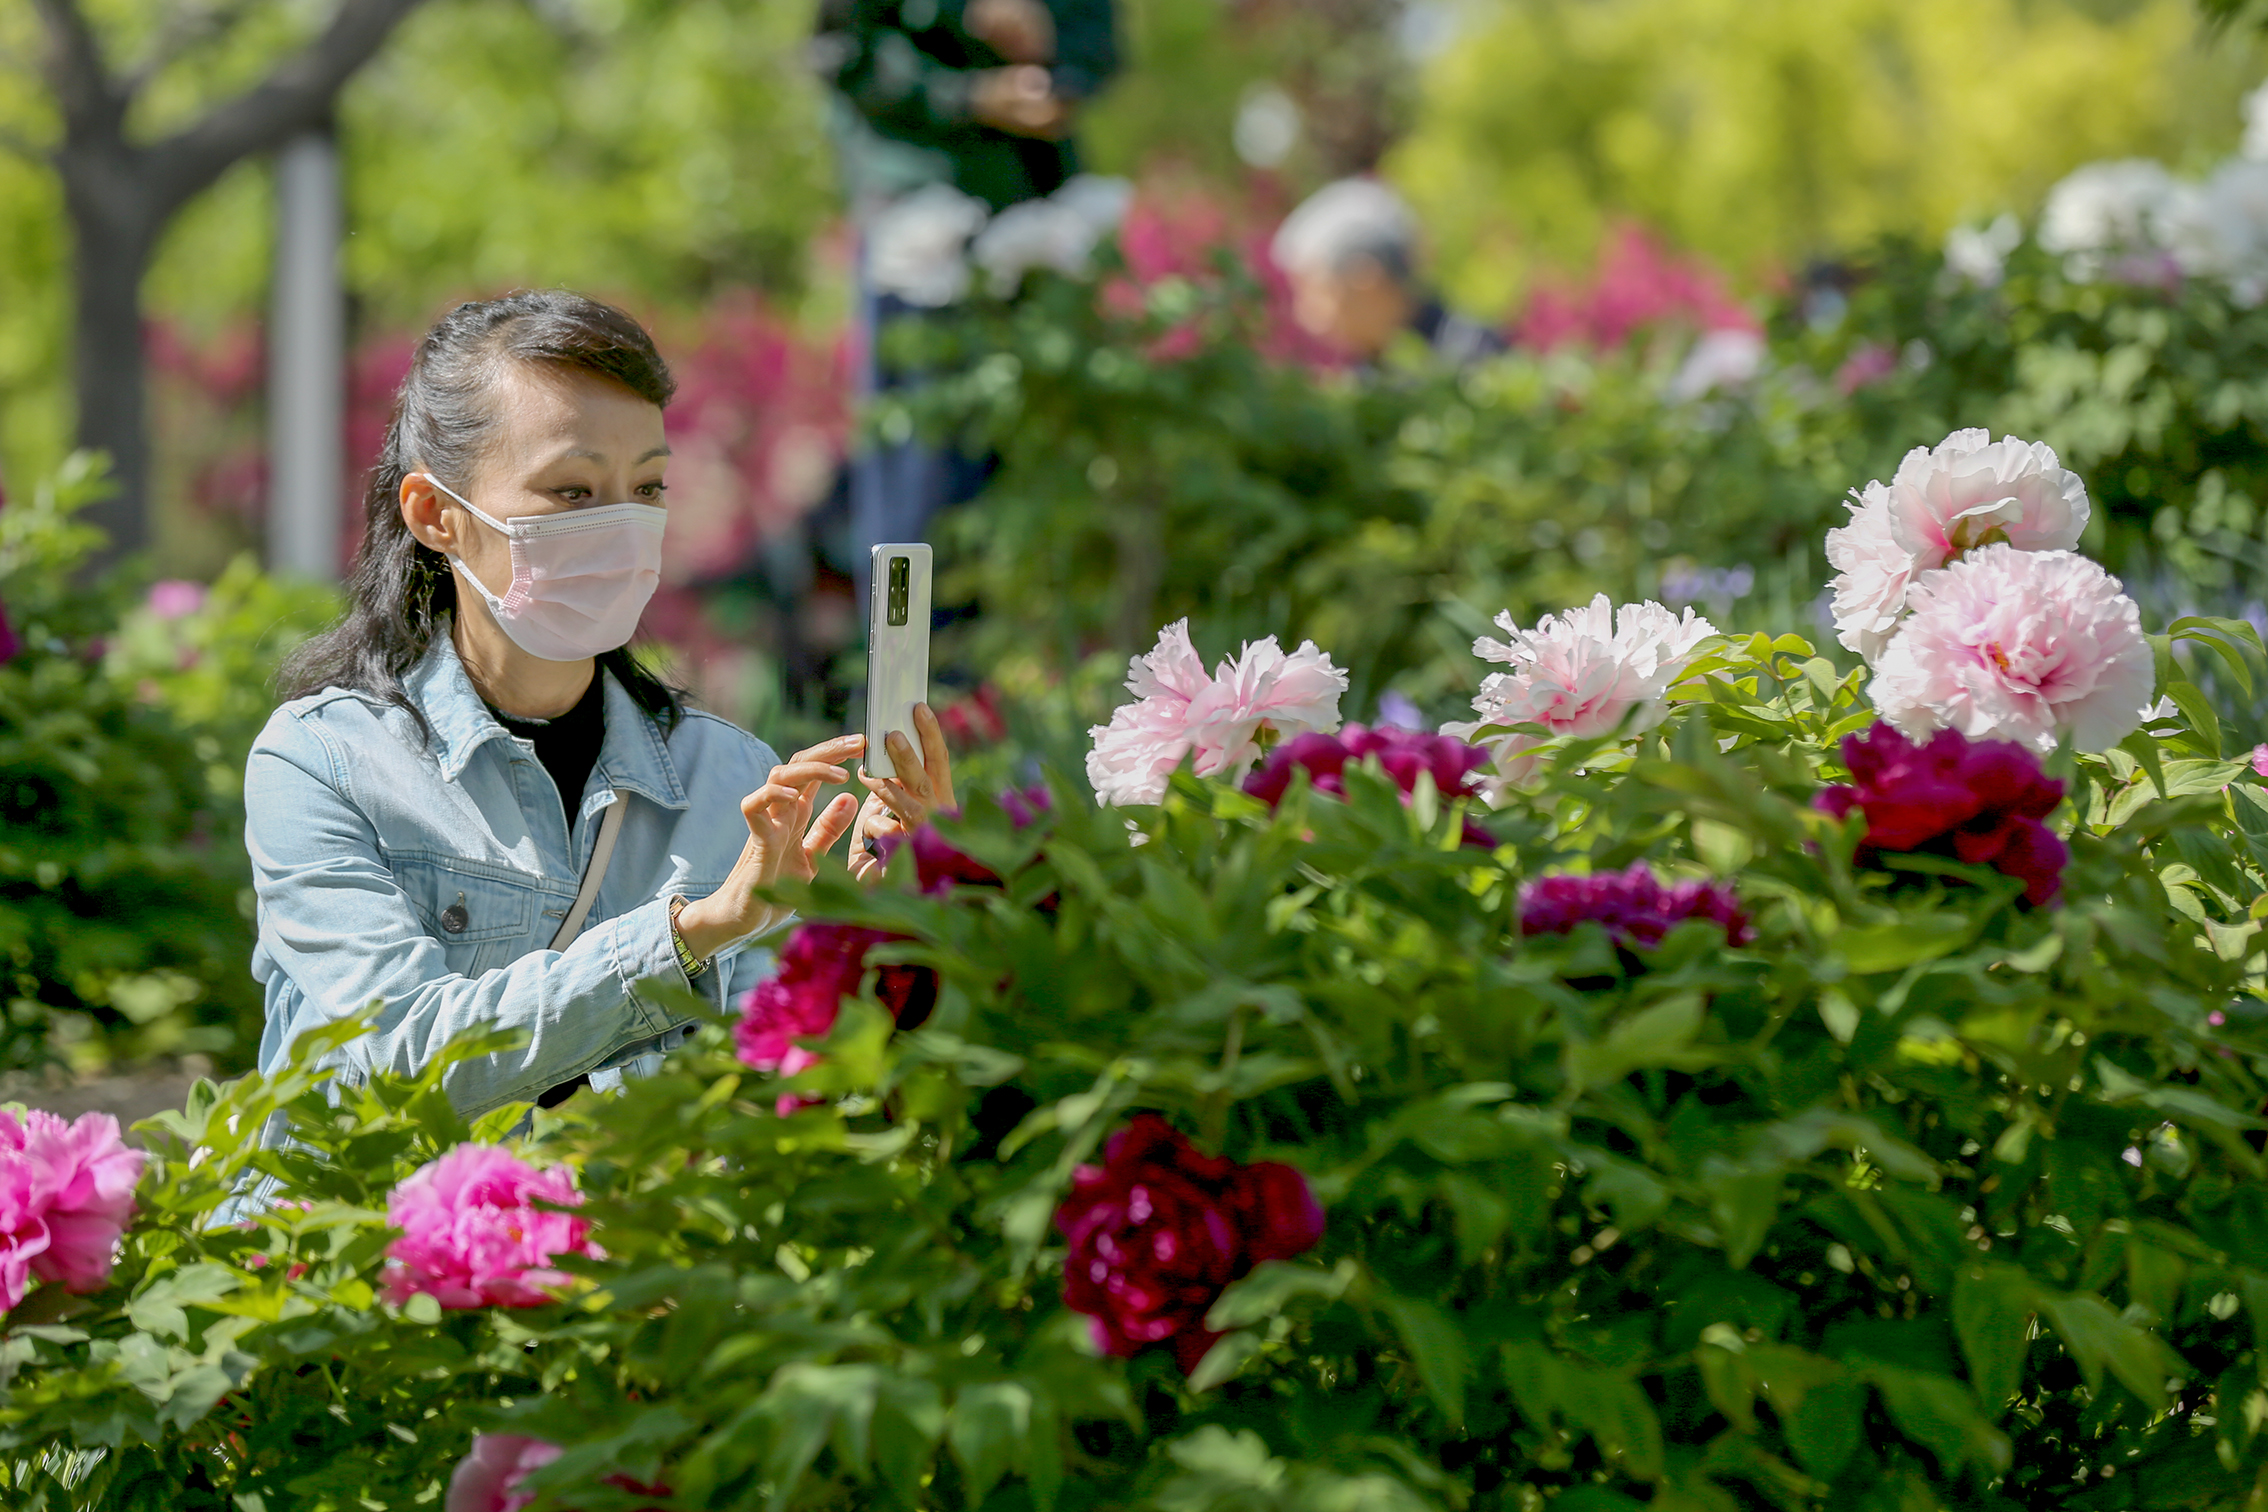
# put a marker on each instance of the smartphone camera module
(901, 587)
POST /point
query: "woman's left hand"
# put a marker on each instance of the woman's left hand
(902, 804)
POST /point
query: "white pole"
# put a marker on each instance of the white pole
(307, 363)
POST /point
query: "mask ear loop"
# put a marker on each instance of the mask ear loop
(523, 581)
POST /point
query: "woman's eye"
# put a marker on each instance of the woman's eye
(652, 490)
(573, 494)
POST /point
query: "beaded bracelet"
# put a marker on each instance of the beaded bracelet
(685, 958)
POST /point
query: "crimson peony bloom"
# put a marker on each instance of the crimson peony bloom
(472, 1236)
(1159, 1230)
(820, 965)
(1635, 907)
(66, 1195)
(1979, 801)
(1402, 755)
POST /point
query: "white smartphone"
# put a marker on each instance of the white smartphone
(897, 649)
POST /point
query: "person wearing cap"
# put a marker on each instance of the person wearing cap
(1350, 252)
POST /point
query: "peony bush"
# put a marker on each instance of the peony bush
(1771, 1106)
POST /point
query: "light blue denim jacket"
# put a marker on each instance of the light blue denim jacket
(365, 835)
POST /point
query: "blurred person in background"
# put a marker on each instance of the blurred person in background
(943, 112)
(1351, 253)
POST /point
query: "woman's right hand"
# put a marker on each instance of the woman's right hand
(784, 841)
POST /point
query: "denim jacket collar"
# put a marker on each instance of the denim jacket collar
(633, 756)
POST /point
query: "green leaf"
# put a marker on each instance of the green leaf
(2098, 1338)
(1272, 1286)
(1992, 1317)
(1942, 1417)
(991, 1423)
(1875, 948)
(1437, 1349)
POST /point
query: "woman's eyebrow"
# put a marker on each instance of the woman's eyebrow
(659, 451)
(601, 457)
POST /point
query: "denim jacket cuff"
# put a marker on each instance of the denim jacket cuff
(642, 949)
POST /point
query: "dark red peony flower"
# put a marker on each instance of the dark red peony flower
(1159, 1230)
(1635, 907)
(1979, 801)
(1402, 755)
(820, 965)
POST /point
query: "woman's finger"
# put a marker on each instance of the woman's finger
(833, 752)
(936, 759)
(770, 804)
(808, 773)
(910, 770)
(903, 805)
(830, 826)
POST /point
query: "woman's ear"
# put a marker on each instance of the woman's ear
(423, 511)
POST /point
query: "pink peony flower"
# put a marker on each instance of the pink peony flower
(2260, 760)
(472, 1236)
(1178, 709)
(1401, 754)
(488, 1479)
(2018, 645)
(66, 1195)
(1591, 671)
(1967, 491)
(1979, 801)
(821, 965)
(176, 598)
(1633, 905)
(1158, 1231)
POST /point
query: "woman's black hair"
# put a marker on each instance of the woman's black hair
(444, 417)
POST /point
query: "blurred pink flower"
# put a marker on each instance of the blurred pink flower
(173, 598)
(1965, 492)
(2260, 760)
(821, 964)
(10, 643)
(488, 1479)
(1178, 709)
(472, 1236)
(1588, 672)
(1868, 364)
(2018, 645)
(66, 1195)
(1639, 285)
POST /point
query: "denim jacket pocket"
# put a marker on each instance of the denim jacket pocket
(481, 913)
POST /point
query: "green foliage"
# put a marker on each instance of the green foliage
(124, 887)
(1922, 1199)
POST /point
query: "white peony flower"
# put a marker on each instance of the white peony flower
(1059, 232)
(2219, 229)
(2018, 645)
(914, 246)
(1591, 671)
(1725, 359)
(1965, 492)
(2105, 209)
(2255, 108)
(1980, 253)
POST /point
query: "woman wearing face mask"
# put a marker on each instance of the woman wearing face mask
(477, 808)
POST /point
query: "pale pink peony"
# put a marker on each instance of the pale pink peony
(471, 1236)
(1591, 671)
(488, 1479)
(2018, 645)
(66, 1195)
(1967, 491)
(1178, 709)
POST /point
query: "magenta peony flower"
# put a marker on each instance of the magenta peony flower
(2260, 760)
(10, 642)
(66, 1195)
(1967, 491)
(1978, 801)
(940, 865)
(488, 1479)
(1158, 1231)
(1635, 907)
(1179, 710)
(2018, 645)
(1590, 671)
(820, 965)
(471, 1235)
(1401, 755)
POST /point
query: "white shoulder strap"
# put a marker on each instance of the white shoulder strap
(610, 825)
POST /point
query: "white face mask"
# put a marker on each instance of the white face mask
(580, 579)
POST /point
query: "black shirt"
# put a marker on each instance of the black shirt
(567, 745)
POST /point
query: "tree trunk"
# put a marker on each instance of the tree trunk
(109, 255)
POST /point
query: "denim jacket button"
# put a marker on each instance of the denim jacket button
(454, 918)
